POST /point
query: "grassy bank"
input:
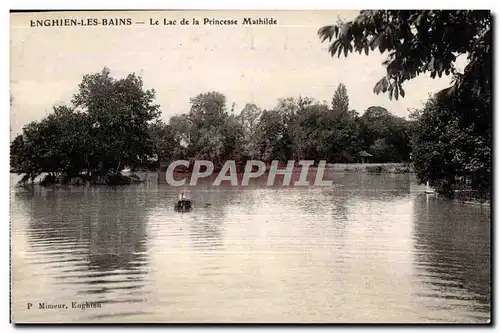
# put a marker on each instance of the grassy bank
(371, 167)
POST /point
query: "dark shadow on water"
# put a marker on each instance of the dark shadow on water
(452, 245)
(93, 237)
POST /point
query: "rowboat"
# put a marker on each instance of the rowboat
(183, 205)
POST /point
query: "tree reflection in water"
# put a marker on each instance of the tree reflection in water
(101, 231)
(453, 251)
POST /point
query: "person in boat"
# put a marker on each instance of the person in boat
(183, 203)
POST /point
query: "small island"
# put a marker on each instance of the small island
(114, 123)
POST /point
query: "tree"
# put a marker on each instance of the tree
(273, 138)
(18, 157)
(166, 145)
(451, 151)
(385, 136)
(119, 111)
(181, 129)
(419, 41)
(452, 138)
(307, 131)
(209, 130)
(340, 100)
(208, 109)
(234, 138)
(249, 120)
(107, 126)
(249, 116)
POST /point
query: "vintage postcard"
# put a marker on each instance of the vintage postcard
(198, 166)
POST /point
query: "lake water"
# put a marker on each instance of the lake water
(373, 248)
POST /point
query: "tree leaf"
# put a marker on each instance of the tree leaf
(381, 86)
(377, 41)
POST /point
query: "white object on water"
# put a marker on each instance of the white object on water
(428, 189)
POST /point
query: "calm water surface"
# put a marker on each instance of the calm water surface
(373, 248)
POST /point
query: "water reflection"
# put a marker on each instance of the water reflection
(206, 224)
(453, 255)
(365, 250)
(91, 241)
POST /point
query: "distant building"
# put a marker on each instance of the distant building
(364, 156)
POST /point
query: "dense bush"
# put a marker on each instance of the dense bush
(376, 169)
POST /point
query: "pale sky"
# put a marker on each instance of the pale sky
(249, 64)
